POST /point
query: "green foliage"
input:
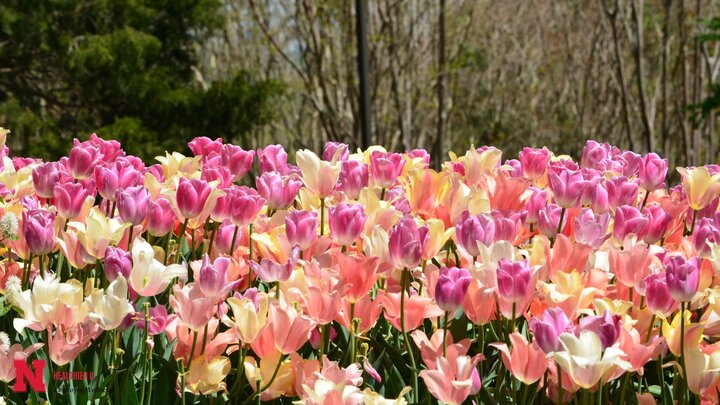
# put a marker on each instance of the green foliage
(121, 68)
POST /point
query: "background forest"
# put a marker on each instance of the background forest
(444, 74)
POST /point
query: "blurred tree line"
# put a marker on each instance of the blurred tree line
(125, 69)
(444, 75)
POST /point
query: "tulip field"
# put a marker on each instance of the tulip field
(359, 277)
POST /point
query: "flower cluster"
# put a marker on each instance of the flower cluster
(364, 277)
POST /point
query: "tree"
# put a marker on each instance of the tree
(125, 69)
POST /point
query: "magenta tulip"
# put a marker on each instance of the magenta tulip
(278, 191)
(38, 228)
(245, 203)
(335, 151)
(513, 279)
(301, 228)
(191, 197)
(385, 168)
(567, 187)
(653, 170)
(69, 199)
(473, 229)
(451, 287)
(546, 330)
(682, 277)
(160, 217)
(534, 162)
(117, 262)
(346, 222)
(132, 204)
(406, 244)
(628, 220)
(353, 177)
(607, 327)
(237, 160)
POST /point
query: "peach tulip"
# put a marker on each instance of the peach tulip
(207, 375)
(290, 328)
(526, 362)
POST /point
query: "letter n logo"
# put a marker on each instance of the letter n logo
(24, 375)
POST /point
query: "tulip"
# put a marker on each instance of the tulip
(335, 151)
(472, 230)
(249, 314)
(359, 273)
(346, 223)
(591, 229)
(278, 191)
(526, 362)
(657, 294)
(193, 308)
(406, 243)
(46, 175)
(595, 154)
(700, 186)
(567, 187)
(245, 203)
(270, 271)
(237, 160)
(682, 276)
(148, 276)
(628, 220)
(49, 302)
(606, 326)
(548, 219)
(301, 228)
(204, 146)
(513, 279)
(158, 320)
(353, 178)
(319, 176)
(98, 232)
(657, 225)
(534, 162)
(212, 278)
(584, 359)
(132, 204)
(67, 343)
(82, 160)
(38, 229)
(621, 191)
(703, 369)
(206, 376)
(451, 288)
(705, 233)
(451, 379)
(117, 262)
(69, 199)
(385, 168)
(160, 217)
(290, 328)
(191, 197)
(226, 233)
(109, 309)
(549, 327)
(10, 354)
(272, 158)
(111, 178)
(538, 200)
(630, 265)
(653, 170)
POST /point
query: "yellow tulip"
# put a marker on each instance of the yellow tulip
(318, 175)
(248, 321)
(700, 186)
(585, 361)
(98, 232)
(207, 376)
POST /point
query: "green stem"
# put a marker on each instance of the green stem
(182, 380)
(652, 325)
(647, 194)
(351, 339)
(130, 238)
(322, 216)
(181, 238)
(404, 284)
(562, 216)
(192, 349)
(445, 331)
(215, 227)
(682, 342)
(324, 341)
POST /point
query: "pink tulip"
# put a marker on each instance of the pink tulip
(359, 273)
(132, 204)
(67, 343)
(513, 279)
(220, 174)
(69, 199)
(109, 150)
(212, 278)
(204, 146)
(122, 174)
(245, 203)
(451, 379)
(657, 225)
(346, 222)
(534, 162)
(301, 228)
(278, 191)
(599, 196)
(406, 243)
(682, 277)
(706, 231)
(538, 200)
(526, 361)
(158, 320)
(630, 163)
(270, 271)
(191, 197)
(451, 287)
(421, 154)
(366, 310)
(224, 236)
(549, 327)
(417, 308)
(398, 199)
(567, 187)
(160, 217)
(628, 220)
(621, 191)
(82, 160)
(353, 178)
(594, 154)
(117, 262)
(221, 210)
(237, 160)
(657, 293)
(607, 327)
(38, 229)
(46, 175)
(507, 225)
(474, 229)
(548, 219)
(653, 170)
(272, 158)
(193, 308)
(335, 151)
(591, 229)
(385, 168)
(290, 328)
(10, 354)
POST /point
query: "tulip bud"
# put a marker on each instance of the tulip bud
(160, 217)
(628, 220)
(45, 176)
(549, 327)
(451, 288)
(591, 229)
(658, 222)
(335, 151)
(82, 160)
(513, 279)
(653, 170)
(204, 146)
(224, 236)
(607, 327)
(301, 228)
(278, 191)
(534, 162)
(538, 200)
(567, 187)
(473, 229)
(237, 160)
(385, 168)
(38, 229)
(657, 293)
(245, 203)
(212, 280)
(595, 154)
(682, 277)
(353, 178)
(117, 262)
(69, 198)
(272, 158)
(548, 219)
(132, 204)
(346, 222)
(191, 197)
(406, 243)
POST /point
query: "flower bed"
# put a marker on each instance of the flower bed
(360, 277)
